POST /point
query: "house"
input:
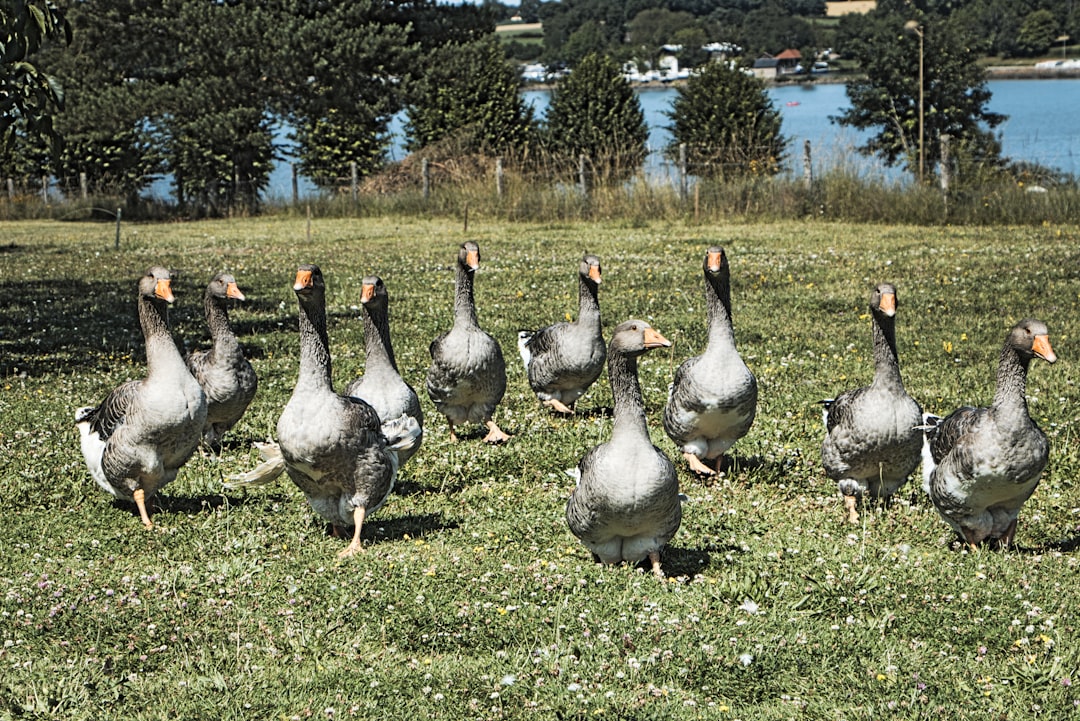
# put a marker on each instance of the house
(765, 67)
(788, 62)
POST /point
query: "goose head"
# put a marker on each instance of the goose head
(590, 269)
(635, 337)
(373, 293)
(469, 256)
(224, 286)
(156, 285)
(716, 263)
(1030, 338)
(883, 300)
(309, 281)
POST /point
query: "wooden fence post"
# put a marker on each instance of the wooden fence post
(11, 188)
(683, 179)
(119, 212)
(45, 189)
(84, 190)
(354, 181)
(946, 165)
(583, 182)
(807, 166)
(425, 177)
(499, 177)
(295, 184)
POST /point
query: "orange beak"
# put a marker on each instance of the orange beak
(472, 259)
(594, 273)
(233, 291)
(163, 290)
(367, 292)
(714, 262)
(653, 339)
(303, 280)
(1042, 348)
(888, 304)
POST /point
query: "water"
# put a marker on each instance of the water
(1039, 129)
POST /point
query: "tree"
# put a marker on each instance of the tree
(594, 111)
(469, 92)
(728, 123)
(954, 95)
(29, 96)
(1037, 32)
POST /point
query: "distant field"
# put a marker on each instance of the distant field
(472, 600)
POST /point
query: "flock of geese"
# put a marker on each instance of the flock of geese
(344, 450)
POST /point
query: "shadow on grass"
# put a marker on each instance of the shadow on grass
(395, 529)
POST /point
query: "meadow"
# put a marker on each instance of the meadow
(472, 600)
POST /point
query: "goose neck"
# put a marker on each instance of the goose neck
(464, 301)
(886, 360)
(217, 320)
(718, 312)
(315, 367)
(626, 392)
(377, 345)
(161, 351)
(588, 303)
(1011, 380)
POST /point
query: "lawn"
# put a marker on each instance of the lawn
(472, 600)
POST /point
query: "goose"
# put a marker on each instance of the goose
(467, 376)
(873, 442)
(381, 386)
(626, 504)
(987, 461)
(224, 373)
(139, 436)
(564, 359)
(713, 399)
(333, 447)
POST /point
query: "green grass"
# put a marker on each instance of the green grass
(472, 600)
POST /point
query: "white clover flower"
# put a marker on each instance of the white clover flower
(746, 659)
(749, 606)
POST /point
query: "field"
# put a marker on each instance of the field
(471, 599)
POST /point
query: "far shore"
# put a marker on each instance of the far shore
(993, 72)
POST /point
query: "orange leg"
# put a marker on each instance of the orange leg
(558, 406)
(358, 522)
(140, 500)
(654, 558)
(849, 505)
(698, 466)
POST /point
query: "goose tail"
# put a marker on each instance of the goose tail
(264, 473)
(524, 336)
(929, 428)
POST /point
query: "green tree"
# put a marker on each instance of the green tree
(470, 93)
(728, 123)
(954, 96)
(595, 112)
(29, 98)
(1037, 32)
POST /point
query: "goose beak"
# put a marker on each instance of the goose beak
(888, 304)
(594, 274)
(1041, 347)
(163, 290)
(367, 292)
(303, 280)
(653, 339)
(714, 261)
(472, 259)
(233, 291)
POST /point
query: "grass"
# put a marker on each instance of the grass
(472, 600)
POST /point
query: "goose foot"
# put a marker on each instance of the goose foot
(453, 436)
(849, 505)
(495, 434)
(558, 406)
(697, 466)
(140, 500)
(654, 558)
(969, 539)
(354, 546)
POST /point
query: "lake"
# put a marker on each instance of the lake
(1040, 126)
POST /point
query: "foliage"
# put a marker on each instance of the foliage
(472, 600)
(29, 98)
(470, 91)
(953, 92)
(1037, 32)
(595, 112)
(728, 123)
